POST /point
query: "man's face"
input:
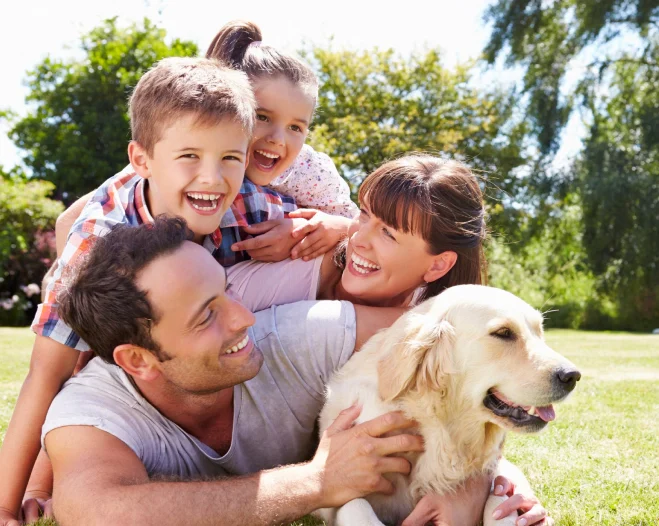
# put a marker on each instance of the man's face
(201, 327)
(196, 171)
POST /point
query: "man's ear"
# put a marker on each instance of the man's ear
(137, 361)
(139, 159)
(441, 264)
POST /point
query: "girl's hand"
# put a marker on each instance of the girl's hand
(321, 233)
(532, 512)
(272, 241)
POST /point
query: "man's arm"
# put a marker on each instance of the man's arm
(100, 480)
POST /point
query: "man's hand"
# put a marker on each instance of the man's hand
(272, 242)
(8, 519)
(532, 512)
(350, 461)
(321, 233)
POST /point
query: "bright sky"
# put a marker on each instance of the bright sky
(32, 30)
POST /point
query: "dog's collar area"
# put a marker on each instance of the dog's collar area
(519, 416)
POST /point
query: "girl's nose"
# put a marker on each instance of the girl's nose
(276, 136)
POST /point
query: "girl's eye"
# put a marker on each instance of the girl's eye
(261, 117)
(296, 128)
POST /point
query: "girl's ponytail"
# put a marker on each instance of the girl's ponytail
(232, 41)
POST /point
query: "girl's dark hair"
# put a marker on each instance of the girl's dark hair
(439, 200)
(239, 45)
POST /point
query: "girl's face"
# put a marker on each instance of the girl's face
(283, 116)
(384, 266)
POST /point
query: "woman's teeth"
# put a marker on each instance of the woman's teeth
(240, 345)
(363, 266)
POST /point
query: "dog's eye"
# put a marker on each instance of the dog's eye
(504, 333)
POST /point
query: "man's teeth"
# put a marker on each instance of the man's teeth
(240, 345)
(268, 154)
(361, 262)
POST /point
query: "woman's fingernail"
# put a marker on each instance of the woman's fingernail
(521, 522)
(498, 490)
(496, 514)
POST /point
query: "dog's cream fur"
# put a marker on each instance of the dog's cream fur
(436, 364)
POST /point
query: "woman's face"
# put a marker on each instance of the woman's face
(384, 266)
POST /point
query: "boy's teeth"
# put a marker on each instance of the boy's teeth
(268, 154)
(240, 345)
(363, 263)
(207, 197)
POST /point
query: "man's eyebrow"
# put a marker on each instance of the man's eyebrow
(198, 312)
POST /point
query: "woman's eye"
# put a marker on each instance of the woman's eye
(388, 234)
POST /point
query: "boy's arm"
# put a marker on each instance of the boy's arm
(50, 366)
(66, 219)
(100, 480)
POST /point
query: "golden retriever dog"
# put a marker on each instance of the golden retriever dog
(468, 366)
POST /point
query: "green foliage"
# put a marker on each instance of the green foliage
(77, 130)
(27, 221)
(375, 105)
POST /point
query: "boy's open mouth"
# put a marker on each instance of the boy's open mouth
(204, 202)
(265, 160)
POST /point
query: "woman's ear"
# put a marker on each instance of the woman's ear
(139, 159)
(440, 266)
(137, 361)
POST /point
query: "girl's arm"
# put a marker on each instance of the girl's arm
(52, 363)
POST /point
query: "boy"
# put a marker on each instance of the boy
(191, 124)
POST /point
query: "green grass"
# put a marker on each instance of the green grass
(598, 464)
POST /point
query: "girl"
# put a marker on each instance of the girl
(286, 92)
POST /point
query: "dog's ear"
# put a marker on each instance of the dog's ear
(420, 361)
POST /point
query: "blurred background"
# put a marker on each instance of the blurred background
(553, 103)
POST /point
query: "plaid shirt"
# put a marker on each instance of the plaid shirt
(121, 200)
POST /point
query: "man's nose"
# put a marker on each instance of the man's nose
(241, 317)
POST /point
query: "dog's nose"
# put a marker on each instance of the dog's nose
(567, 378)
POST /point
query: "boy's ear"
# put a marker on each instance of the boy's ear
(441, 264)
(139, 159)
(137, 361)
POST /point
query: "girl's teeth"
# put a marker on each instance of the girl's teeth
(268, 155)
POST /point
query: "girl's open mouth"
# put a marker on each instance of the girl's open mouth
(265, 160)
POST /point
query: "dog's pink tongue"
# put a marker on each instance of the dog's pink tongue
(546, 413)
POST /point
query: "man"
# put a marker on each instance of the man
(202, 389)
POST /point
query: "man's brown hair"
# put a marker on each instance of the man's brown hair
(101, 301)
(175, 87)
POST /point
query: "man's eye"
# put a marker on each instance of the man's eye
(207, 319)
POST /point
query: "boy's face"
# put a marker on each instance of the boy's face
(282, 124)
(195, 172)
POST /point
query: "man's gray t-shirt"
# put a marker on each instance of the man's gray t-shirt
(274, 413)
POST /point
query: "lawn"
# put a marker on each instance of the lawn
(598, 464)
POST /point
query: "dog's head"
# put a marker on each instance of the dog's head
(481, 350)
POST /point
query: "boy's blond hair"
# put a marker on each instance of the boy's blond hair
(178, 86)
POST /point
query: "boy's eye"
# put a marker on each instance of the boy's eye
(189, 156)
(388, 234)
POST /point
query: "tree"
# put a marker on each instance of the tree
(375, 105)
(77, 131)
(616, 45)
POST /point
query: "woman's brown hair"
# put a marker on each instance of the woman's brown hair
(239, 45)
(439, 200)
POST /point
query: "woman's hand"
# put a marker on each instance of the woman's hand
(529, 507)
(321, 233)
(36, 504)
